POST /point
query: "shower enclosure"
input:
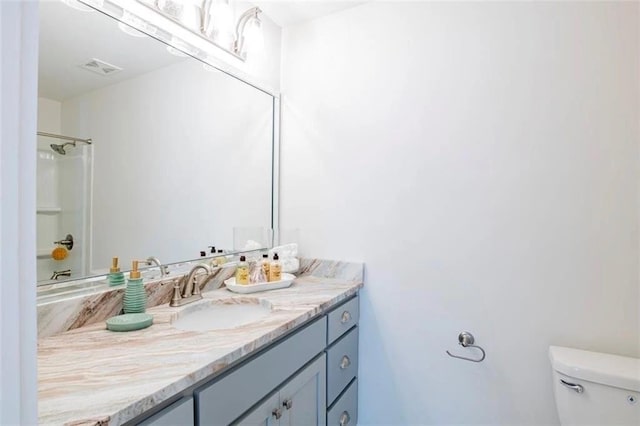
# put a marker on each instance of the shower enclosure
(63, 202)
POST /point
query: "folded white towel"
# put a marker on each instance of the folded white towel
(288, 257)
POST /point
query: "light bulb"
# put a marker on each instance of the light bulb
(179, 48)
(220, 27)
(176, 52)
(191, 14)
(253, 39)
(171, 7)
(129, 30)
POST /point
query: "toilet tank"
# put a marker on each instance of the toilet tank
(592, 388)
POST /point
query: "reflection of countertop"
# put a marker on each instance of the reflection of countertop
(91, 376)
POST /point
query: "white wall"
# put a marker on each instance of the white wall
(482, 159)
(18, 86)
(181, 155)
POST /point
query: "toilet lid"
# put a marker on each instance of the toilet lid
(607, 369)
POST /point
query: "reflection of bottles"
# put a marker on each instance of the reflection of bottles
(256, 272)
(221, 259)
(266, 266)
(115, 276)
(275, 269)
(242, 271)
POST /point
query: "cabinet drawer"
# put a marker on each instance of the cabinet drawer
(178, 413)
(342, 364)
(227, 398)
(345, 411)
(341, 319)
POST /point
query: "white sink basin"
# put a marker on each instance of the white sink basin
(220, 316)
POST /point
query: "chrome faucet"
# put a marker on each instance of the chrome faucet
(57, 274)
(152, 260)
(191, 291)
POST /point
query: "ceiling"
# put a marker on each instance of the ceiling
(290, 12)
(69, 38)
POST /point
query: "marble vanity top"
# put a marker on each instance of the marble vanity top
(91, 376)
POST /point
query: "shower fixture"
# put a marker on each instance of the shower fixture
(60, 148)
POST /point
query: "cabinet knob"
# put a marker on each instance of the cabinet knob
(346, 362)
(277, 413)
(344, 418)
(287, 404)
(346, 317)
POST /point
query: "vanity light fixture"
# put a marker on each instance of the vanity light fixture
(216, 24)
(248, 33)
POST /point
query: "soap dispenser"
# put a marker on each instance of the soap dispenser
(135, 297)
(275, 269)
(242, 271)
(115, 276)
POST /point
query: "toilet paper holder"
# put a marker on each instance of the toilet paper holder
(466, 340)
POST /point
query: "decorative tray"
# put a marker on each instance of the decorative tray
(286, 281)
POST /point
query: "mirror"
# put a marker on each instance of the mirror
(170, 155)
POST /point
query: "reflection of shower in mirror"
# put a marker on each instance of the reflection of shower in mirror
(59, 148)
(63, 195)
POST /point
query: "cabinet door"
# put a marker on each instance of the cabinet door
(303, 398)
(265, 414)
(226, 399)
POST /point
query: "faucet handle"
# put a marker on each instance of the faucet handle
(175, 299)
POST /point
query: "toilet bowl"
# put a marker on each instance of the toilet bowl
(593, 388)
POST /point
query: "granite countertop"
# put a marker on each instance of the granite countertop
(92, 376)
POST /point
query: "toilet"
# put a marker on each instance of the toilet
(593, 388)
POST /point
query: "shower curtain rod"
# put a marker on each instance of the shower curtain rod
(66, 138)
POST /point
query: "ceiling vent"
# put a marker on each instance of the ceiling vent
(100, 67)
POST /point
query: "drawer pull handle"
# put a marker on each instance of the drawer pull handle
(344, 418)
(345, 363)
(287, 404)
(577, 388)
(346, 317)
(277, 413)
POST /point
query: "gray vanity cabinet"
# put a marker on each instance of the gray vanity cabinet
(307, 378)
(178, 413)
(301, 401)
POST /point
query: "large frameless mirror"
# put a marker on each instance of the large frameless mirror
(142, 151)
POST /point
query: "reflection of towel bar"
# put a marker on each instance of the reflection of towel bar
(466, 340)
(67, 242)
